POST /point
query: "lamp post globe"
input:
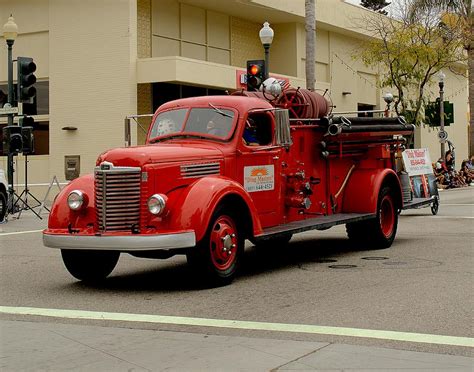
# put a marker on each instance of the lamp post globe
(266, 37)
(10, 29)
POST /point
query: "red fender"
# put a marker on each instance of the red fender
(361, 193)
(194, 206)
(61, 215)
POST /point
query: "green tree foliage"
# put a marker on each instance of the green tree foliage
(454, 13)
(376, 5)
(409, 56)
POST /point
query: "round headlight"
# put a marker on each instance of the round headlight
(75, 199)
(156, 204)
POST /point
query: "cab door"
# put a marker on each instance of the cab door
(259, 171)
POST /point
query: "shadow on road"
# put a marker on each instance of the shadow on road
(176, 275)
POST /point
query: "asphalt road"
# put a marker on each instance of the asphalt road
(422, 284)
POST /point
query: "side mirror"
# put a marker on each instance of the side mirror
(282, 121)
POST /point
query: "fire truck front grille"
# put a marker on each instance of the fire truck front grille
(117, 198)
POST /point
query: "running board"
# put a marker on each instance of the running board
(318, 223)
(419, 202)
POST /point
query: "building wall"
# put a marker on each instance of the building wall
(32, 41)
(188, 31)
(101, 67)
(246, 44)
(32, 18)
(144, 91)
(92, 77)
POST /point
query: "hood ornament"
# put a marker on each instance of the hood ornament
(106, 165)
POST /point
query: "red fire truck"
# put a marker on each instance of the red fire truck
(217, 170)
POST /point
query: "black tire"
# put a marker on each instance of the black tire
(89, 266)
(435, 207)
(216, 258)
(3, 205)
(275, 243)
(380, 232)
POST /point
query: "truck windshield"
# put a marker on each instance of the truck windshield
(212, 123)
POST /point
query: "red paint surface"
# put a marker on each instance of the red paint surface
(299, 172)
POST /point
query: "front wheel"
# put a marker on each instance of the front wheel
(89, 266)
(217, 256)
(380, 232)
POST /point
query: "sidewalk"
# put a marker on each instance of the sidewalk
(32, 346)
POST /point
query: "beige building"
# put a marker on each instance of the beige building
(102, 60)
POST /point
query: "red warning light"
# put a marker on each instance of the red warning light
(254, 69)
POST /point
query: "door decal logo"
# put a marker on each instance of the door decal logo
(259, 178)
(259, 172)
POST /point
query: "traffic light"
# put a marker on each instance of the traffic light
(26, 79)
(26, 121)
(255, 74)
(12, 140)
(27, 126)
(28, 140)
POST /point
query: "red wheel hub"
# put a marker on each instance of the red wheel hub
(387, 216)
(223, 243)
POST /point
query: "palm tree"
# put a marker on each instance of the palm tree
(310, 26)
(463, 9)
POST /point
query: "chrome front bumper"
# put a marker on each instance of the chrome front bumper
(127, 243)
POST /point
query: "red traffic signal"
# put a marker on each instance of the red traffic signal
(255, 74)
(254, 69)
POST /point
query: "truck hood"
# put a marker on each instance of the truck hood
(138, 156)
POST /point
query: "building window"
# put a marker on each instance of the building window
(365, 107)
(164, 92)
(183, 30)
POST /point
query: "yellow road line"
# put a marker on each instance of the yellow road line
(240, 324)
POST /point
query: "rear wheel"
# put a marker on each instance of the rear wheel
(435, 206)
(379, 232)
(89, 266)
(217, 256)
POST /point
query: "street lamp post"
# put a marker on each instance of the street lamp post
(266, 37)
(10, 32)
(441, 77)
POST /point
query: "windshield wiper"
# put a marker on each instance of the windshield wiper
(220, 111)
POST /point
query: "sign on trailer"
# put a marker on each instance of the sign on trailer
(417, 161)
